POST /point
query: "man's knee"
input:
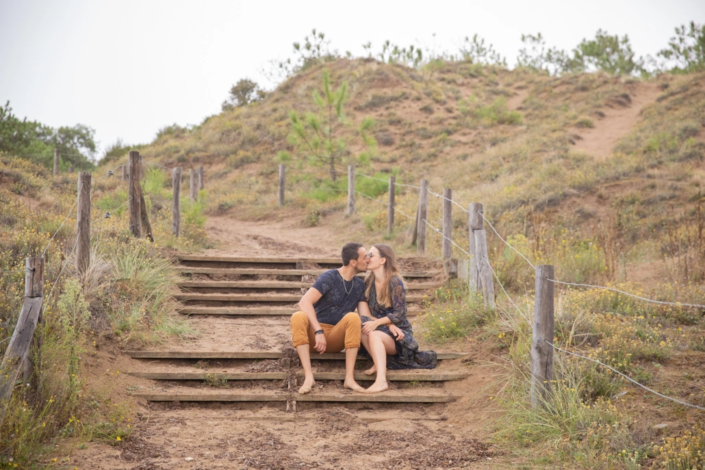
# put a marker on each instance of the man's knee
(352, 318)
(299, 319)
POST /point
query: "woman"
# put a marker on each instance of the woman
(388, 337)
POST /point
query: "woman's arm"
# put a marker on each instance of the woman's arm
(370, 326)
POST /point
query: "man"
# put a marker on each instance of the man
(327, 321)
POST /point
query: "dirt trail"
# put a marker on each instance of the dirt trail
(618, 121)
(271, 238)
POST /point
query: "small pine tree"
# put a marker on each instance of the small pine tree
(324, 137)
(687, 49)
(608, 53)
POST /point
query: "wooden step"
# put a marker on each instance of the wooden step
(264, 260)
(291, 298)
(278, 285)
(284, 272)
(231, 396)
(394, 376)
(252, 355)
(261, 311)
(298, 417)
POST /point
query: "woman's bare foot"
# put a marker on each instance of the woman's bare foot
(377, 387)
(371, 371)
(352, 385)
(307, 386)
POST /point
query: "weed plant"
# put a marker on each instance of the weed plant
(451, 312)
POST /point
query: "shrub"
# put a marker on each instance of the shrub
(372, 187)
(491, 114)
(452, 312)
(193, 211)
(313, 218)
(584, 123)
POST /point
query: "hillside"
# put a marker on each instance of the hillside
(615, 160)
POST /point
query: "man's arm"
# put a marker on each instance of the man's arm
(306, 305)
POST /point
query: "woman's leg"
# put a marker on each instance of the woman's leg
(381, 345)
(365, 339)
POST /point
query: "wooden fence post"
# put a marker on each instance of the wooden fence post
(200, 178)
(193, 185)
(282, 176)
(541, 352)
(71, 168)
(17, 352)
(124, 172)
(56, 162)
(415, 229)
(423, 211)
(483, 266)
(475, 222)
(83, 222)
(351, 190)
(176, 201)
(134, 198)
(390, 205)
(447, 223)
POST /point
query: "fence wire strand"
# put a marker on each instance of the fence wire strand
(488, 265)
(386, 204)
(448, 199)
(386, 181)
(625, 376)
(504, 241)
(660, 302)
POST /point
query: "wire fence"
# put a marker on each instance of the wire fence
(483, 261)
(523, 314)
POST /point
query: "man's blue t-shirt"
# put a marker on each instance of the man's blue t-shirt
(336, 302)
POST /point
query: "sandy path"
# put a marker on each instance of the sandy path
(271, 238)
(600, 140)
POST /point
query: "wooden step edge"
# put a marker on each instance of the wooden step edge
(285, 272)
(259, 297)
(295, 417)
(234, 311)
(253, 355)
(262, 260)
(393, 376)
(384, 397)
(278, 285)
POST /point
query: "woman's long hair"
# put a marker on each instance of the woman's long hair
(390, 270)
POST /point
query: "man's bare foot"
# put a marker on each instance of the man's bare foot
(307, 386)
(377, 387)
(371, 371)
(352, 385)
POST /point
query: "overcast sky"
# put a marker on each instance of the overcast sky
(128, 68)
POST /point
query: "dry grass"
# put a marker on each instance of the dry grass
(126, 291)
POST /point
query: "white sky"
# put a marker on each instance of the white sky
(128, 68)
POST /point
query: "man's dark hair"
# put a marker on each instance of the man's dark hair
(350, 252)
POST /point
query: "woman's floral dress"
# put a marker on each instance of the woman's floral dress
(408, 355)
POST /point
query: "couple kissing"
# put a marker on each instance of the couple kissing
(327, 321)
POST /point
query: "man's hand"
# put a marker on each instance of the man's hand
(369, 327)
(398, 334)
(321, 343)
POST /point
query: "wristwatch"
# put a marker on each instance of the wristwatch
(319, 332)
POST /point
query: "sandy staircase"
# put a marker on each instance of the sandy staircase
(239, 298)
